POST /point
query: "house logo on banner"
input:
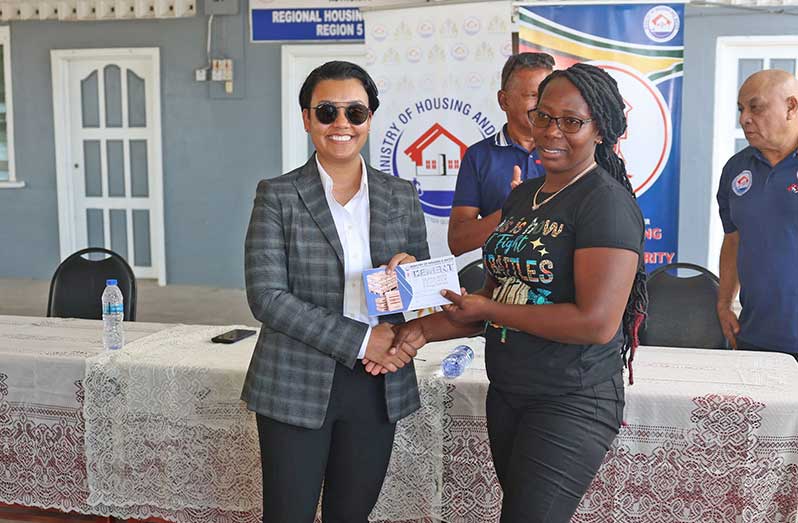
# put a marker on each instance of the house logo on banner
(418, 146)
(437, 69)
(649, 117)
(661, 23)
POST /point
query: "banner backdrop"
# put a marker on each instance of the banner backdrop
(306, 20)
(641, 46)
(438, 70)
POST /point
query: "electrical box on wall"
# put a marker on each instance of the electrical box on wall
(221, 7)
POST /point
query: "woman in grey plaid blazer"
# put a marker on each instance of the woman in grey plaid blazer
(321, 416)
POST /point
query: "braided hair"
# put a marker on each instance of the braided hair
(600, 91)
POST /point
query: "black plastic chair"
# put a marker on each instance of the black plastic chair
(78, 283)
(472, 276)
(682, 311)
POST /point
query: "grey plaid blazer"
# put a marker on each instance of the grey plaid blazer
(295, 286)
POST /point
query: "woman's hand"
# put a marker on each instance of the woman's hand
(399, 258)
(409, 338)
(379, 349)
(466, 308)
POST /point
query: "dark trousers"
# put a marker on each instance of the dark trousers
(547, 449)
(744, 345)
(350, 453)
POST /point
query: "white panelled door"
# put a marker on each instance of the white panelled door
(106, 104)
(738, 57)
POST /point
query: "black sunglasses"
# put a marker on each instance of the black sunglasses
(327, 112)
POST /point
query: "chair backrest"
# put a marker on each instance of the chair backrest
(78, 283)
(472, 276)
(682, 311)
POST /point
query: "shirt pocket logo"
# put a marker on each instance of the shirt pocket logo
(742, 182)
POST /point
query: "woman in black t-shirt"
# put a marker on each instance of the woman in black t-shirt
(564, 295)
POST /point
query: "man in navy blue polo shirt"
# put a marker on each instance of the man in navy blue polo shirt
(486, 172)
(758, 200)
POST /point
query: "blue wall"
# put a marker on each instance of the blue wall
(216, 149)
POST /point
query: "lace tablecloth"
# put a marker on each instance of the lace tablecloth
(166, 433)
(711, 436)
(42, 364)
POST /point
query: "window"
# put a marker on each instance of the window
(7, 176)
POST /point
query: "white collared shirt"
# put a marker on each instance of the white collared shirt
(353, 223)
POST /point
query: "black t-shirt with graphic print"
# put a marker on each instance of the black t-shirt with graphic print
(531, 257)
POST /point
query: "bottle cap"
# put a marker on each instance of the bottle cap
(110, 282)
(467, 350)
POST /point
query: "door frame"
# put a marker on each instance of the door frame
(295, 151)
(728, 50)
(60, 61)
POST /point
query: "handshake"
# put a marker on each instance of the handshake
(391, 347)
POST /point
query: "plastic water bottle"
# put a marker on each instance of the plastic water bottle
(113, 314)
(455, 363)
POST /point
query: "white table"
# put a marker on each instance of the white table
(167, 436)
(710, 435)
(42, 364)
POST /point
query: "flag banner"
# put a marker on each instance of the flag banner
(438, 70)
(642, 47)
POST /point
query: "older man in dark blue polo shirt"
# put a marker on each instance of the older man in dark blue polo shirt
(758, 199)
(487, 170)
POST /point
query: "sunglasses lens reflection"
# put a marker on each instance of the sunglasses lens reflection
(326, 113)
(357, 114)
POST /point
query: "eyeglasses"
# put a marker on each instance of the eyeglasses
(327, 112)
(566, 124)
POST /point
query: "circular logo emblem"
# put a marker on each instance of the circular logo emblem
(459, 51)
(425, 143)
(413, 55)
(474, 80)
(471, 25)
(661, 23)
(425, 28)
(646, 145)
(379, 33)
(741, 183)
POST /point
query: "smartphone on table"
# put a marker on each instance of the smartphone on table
(233, 336)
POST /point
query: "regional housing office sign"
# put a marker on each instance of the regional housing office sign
(307, 20)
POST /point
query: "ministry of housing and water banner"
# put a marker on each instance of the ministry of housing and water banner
(641, 46)
(438, 70)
